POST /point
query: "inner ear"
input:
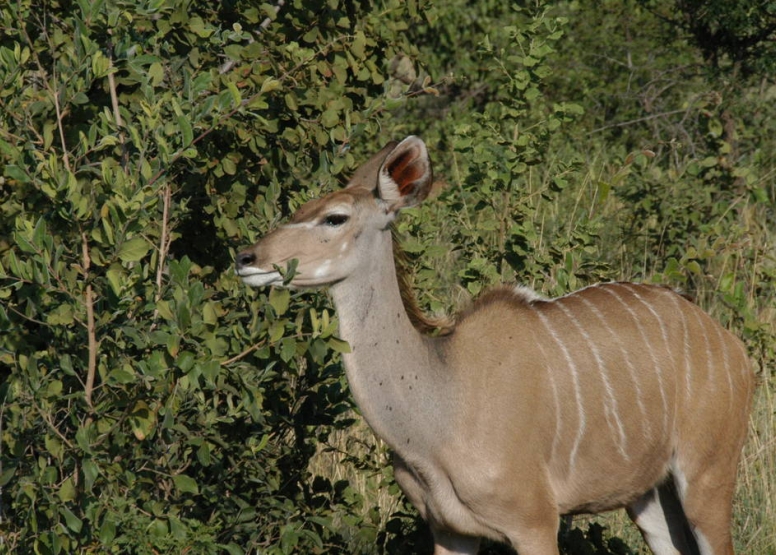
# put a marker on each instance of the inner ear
(406, 170)
(405, 177)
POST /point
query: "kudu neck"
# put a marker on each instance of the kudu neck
(394, 370)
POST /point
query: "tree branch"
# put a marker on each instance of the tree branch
(164, 241)
(90, 327)
(114, 100)
(637, 120)
(245, 353)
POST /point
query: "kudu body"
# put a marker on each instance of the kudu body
(617, 395)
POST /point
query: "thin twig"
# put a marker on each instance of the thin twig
(65, 157)
(90, 327)
(47, 418)
(164, 242)
(638, 120)
(114, 100)
(245, 353)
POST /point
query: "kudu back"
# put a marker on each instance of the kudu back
(617, 395)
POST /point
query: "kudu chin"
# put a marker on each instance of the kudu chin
(525, 408)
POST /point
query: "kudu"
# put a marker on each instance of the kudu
(617, 395)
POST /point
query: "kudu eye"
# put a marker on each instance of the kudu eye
(335, 220)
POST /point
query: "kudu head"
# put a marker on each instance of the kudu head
(333, 236)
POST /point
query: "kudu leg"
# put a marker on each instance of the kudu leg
(446, 543)
(708, 485)
(661, 520)
(536, 542)
(708, 506)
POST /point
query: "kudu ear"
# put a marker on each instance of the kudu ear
(405, 176)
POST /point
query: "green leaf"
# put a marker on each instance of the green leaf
(287, 349)
(270, 85)
(73, 522)
(235, 92)
(163, 307)
(156, 74)
(24, 244)
(115, 276)
(142, 420)
(203, 454)
(185, 361)
(122, 375)
(62, 315)
(197, 25)
(91, 472)
(185, 484)
(14, 172)
(134, 249)
(209, 314)
(338, 345)
(107, 532)
(330, 118)
(276, 330)
(186, 131)
(279, 299)
(67, 490)
(358, 45)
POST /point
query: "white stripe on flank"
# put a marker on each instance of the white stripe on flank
(575, 379)
(710, 378)
(555, 399)
(628, 363)
(666, 339)
(726, 360)
(649, 348)
(685, 346)
(611, 410)
(660, 322)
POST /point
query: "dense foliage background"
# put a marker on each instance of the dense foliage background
(150, 403)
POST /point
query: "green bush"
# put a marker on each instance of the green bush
(151, 403)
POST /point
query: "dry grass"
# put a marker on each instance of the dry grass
(755, 509)
(335, 461)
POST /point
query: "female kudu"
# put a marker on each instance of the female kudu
(617, 395)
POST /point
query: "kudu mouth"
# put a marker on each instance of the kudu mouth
(250, 274)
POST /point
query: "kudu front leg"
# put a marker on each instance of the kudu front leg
(448, 543)
(538, 541)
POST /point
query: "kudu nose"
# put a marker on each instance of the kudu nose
(245, 258)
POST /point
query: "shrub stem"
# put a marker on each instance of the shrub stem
(90, 327)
